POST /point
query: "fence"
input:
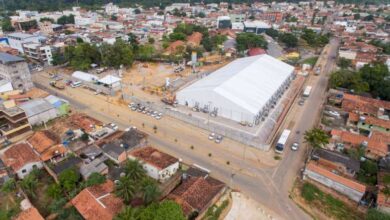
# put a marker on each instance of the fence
(237, 135)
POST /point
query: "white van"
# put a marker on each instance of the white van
(75, 84)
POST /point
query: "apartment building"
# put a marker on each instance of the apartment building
(17, 39)
(38, 52)
(13, 122)
(15, 70)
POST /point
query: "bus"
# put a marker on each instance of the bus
(307, 91)
(282, 141)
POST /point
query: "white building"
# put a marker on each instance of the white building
(22, 159)
(39, 111)
(83, 76)
(111, 82)
(17, 39)
(244, 90)
(158, 165)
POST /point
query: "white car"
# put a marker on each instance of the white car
(113, 126)
(295, 146)
(334, 113)
(211, 136)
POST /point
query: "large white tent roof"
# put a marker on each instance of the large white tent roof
(248, 82)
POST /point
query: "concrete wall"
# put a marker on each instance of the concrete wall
(18, 74)
(43, 117)
(28, 168)
(168, 172)
(351, 193)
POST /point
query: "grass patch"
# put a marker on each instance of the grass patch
(214, 211)
(374, 214)
(325, 202)
(9, 205)
(312, 61)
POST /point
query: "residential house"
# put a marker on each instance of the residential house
(95, 166)
(38, 52)
(47, 145)
(39, 111)
(364, 106)
(330, 178)
(118, 145)
(62, 106)
(29, 212)
(366, 124)
(68, 163)
(13, 121)
(158, 165)
(15, 70)
(338, 161)
(22, 159)
(376, 144)
(196, 194)
(98, 202)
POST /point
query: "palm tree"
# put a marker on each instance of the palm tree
(316, 137)
(151, 193)
(125, 189)
(29, 184)
(128, 213)
(134, 170)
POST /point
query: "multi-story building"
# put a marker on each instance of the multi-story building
(16, 40)
(15, 70)
(13, 122)
(38, 52)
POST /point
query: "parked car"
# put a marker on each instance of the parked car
(113, 126)
(295, 146)
(211, 136)
(218, 139)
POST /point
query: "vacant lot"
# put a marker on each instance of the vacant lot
(321, 205)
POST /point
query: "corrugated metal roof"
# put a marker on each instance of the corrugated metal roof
(8, 58)
(36, 106)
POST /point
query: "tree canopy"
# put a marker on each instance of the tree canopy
(246, 41)
(316, 138)
(313, 39)
(373, 79)
(66, 19)
(289, 40)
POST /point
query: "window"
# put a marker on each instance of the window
(24, 171)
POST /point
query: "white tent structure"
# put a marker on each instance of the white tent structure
(244, 90)
(83, 76)
(111, 81)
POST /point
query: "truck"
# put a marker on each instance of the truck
(57, 84)
(282, 141)
(307, 91)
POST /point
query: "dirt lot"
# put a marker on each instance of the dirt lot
(323, 203)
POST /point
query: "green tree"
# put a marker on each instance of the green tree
(145, 52)
(246, 41)
(356, 16)
(289, 40)
(125, 189)
(134, 170)
(29, 184)
(375, 75)
(349, 80)
(66, 19)
(272, 33)
(9, 186)
(151, 40)
(118, 54)
(316, 138)
(177, 36)
(68, 179)
(137, 11)
(47, 19)
(201, 14)
(6, 25)
(344, 63)
(128, 213)
(150, 191)
(54, 191)
(95, 179)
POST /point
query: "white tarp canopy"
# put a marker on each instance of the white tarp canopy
(84, 76)
(240, 90)
(109, 80)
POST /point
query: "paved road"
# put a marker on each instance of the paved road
(267, 185)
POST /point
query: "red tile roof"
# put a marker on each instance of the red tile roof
(19, 155)
(196, 193)
(195, 38)
(43, 140)
(370, 120)
(98, 202)
(154, 157)
(29, 214)
(353, 103)
(352, 184)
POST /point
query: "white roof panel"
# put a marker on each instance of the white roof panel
(84, 76)
(109, 80)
